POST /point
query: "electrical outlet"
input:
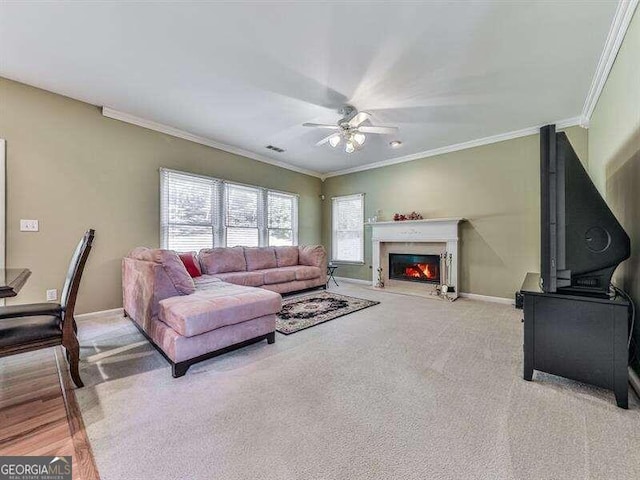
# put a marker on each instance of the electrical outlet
(28, 225)
(52, 295)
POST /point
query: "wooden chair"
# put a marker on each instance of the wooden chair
(24, 328)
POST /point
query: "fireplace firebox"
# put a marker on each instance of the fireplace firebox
(414, 267)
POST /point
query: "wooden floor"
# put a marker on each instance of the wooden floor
(39, 414)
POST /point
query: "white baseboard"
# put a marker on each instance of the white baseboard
(113, 311)
(487, 298)
(353, 280)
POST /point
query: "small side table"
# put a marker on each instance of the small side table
(331, 269)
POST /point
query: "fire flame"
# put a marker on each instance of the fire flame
(421, 270)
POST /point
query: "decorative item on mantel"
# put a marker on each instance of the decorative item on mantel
(399, 217)
(380, 283)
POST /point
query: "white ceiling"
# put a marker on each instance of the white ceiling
(249, 74)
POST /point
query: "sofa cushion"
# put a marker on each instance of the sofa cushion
(222, 260)
(289, 274)
(224, 304)
(307, 273)
(259, 258)
(248, 279)
(171, 264)
(179, 348)
(204, 282)
(312, 255)
(278, 275)
(191, 263)
(286, 256)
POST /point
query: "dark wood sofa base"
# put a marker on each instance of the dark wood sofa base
(180, 368)
(306, 290)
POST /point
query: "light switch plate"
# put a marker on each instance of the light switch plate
(28, 225)
(52, 295)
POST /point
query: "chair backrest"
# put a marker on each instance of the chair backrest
(74, 274)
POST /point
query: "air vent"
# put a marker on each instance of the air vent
(275, 149)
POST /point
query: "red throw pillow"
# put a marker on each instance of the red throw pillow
(191, 264)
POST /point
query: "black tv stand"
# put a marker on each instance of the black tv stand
(584, 292)
(577, 337)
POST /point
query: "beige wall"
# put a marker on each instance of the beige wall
(72, 169)
(614, 147)
(495, 187)
(614, 125)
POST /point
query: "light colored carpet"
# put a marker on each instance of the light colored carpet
(414, 388)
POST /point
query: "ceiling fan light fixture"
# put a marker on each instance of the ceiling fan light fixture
(352, 130)
(349, 147)
(334, 141)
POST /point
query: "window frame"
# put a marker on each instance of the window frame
(219, 210)
(334, 231)
(259, 212)
(294, 216)
(216, 206)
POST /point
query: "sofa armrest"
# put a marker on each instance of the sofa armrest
(144, 284)
(313, 256)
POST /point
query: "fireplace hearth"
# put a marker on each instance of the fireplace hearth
(414, 267)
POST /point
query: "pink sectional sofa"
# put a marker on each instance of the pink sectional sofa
(192, 319)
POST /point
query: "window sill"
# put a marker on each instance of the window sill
(345, 262)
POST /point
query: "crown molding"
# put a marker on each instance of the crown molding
(175, 132)
(619, 26)
(501, 137)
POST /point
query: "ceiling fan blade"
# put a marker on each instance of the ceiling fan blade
(321, 125)
(324, 140)
(358, 119)
(374, 129)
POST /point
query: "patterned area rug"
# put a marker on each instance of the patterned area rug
(303, 312)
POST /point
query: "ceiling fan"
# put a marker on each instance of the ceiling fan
(350, 130)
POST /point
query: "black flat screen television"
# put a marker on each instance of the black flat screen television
(582, 241)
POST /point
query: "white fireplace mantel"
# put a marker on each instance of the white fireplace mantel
(427, 230)
(433, 230)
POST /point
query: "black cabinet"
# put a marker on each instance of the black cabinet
(581, 338)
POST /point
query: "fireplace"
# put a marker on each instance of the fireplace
(414, 267)
(432, 238)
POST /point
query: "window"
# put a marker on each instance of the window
(189, 211)
(347, 229)
(281, 219)
(202, 212)
(242, 216)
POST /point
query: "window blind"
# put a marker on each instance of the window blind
(243, 215)
(190, 207)
(281, 215)
(347, 230)
(202, 212)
